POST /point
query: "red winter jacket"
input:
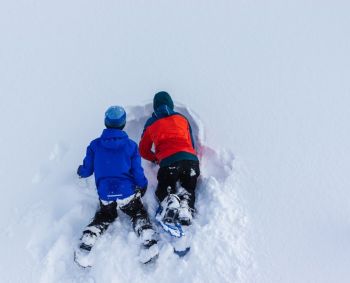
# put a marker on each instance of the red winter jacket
(172, 139)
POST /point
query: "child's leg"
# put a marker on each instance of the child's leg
(143, 228)
(105, 215)
(166, 193)
(102, 219)
(167, 178)
(141, 223)
(189, 173)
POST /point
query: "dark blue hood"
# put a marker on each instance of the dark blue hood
(113, 138)
(162, 98)
(163, 111)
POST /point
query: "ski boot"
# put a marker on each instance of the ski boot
(89, 237)
(87, 241)
(185, 214)
(149, 249)
(167, 215)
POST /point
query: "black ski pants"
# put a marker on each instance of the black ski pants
(185, 172)
(106, 214)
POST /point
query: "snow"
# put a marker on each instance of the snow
(55, 221)
(265, 85)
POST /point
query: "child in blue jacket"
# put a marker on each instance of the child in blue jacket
(120, 181)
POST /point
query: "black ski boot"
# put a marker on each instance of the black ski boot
(143, 228)
(102, 219)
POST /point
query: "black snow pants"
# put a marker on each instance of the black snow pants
(184, 172)
(107, 213)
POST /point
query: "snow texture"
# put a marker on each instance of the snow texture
(53, 227)
(269, 84)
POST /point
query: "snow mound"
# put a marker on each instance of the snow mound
(60, 207)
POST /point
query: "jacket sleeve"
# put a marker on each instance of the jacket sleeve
(146, 147)
(87, 169)
(137, 170)
(191, 134)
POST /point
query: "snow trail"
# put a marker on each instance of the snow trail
(61, 207)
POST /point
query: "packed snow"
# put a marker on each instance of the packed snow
(54, 222)
(266, 87)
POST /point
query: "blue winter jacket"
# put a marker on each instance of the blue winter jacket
(116, 162)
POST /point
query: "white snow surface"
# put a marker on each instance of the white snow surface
(265, 85)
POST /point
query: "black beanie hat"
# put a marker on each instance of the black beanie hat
(162, 98)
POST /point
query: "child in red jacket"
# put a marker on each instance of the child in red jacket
(171, 134)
